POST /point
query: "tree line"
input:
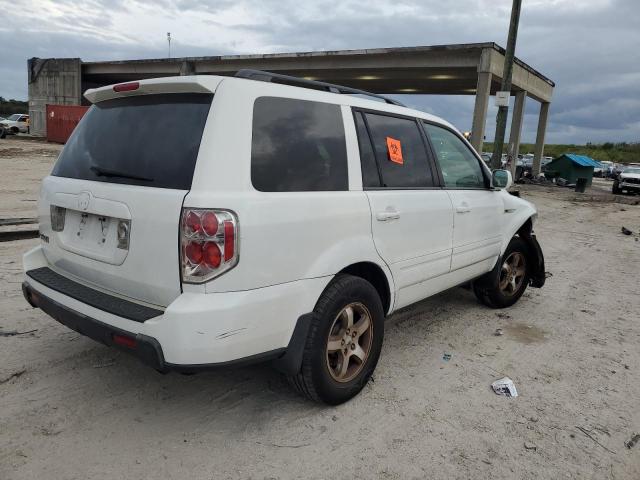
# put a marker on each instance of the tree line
(11, 106)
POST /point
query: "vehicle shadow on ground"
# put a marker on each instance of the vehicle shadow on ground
(228, 400)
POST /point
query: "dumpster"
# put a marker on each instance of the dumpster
(61, 120)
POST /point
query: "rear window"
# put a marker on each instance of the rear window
(297, 146)
(149, 140)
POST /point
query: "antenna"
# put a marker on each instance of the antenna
(169, 40)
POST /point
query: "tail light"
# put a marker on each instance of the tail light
(126, 87)
(58, 215)
(125, 341)
(208, 243)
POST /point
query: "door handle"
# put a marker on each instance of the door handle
(463, 209)
(387, 215)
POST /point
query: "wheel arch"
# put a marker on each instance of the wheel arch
(378, 277)
(516, 224)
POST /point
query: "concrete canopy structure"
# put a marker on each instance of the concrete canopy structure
(464, 69)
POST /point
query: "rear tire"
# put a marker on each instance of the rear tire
(504, 286)
(344, 342)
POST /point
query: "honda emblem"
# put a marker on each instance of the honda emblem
(84, 199)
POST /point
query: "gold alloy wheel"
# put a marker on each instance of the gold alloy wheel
(512, 273)
(349, 342)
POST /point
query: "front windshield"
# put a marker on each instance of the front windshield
(14, 117)
(631, 170)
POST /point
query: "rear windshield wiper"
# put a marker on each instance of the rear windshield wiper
(105, 172)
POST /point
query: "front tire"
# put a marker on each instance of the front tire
(504, 286)
(615, 189)
(344, 342)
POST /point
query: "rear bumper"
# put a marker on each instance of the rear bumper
(196, 331)
(147, 349)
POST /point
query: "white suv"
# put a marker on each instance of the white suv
(206, 221)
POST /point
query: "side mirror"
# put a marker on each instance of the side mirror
(501, 179)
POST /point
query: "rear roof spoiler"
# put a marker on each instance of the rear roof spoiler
(178, 84)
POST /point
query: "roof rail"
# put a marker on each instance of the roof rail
(263, 76)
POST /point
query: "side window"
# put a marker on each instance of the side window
(370, 176)
(297, 146)
(400, 152)
(460, 167)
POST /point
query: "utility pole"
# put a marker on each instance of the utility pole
(169, 40)
(503, 110)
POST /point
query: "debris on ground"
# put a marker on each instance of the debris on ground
(12, 375)
(588, 434)
(561, 182)
(103, 365)
(626, 231)
(529, 180)
(530, 446)
(498, 332)
(14, 333)
(631, 443)
(505, 386)
(446, 357)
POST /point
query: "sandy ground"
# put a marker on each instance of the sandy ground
(23, 163)
(73, 409)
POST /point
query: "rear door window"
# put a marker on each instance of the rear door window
(400, 151)
(297, 146)
(150, 140)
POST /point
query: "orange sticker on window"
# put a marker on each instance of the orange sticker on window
(395, 150)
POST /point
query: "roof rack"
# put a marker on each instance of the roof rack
(263, 76)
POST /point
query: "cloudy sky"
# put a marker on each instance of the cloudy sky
(590, 48)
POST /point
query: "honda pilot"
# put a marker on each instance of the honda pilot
(207, 221)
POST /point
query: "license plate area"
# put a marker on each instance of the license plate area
(94, 236)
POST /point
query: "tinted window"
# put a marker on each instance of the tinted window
(388, 133)
(149, 140)
(460, 167)
(297, 146)
(370, 176)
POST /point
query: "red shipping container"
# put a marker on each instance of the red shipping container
(61, 120)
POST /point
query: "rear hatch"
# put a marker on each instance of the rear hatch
(110, 210)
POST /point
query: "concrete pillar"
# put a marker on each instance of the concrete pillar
(52, 81)
(483, 91)
(542, 130)
(187, 68)
(516, 129)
